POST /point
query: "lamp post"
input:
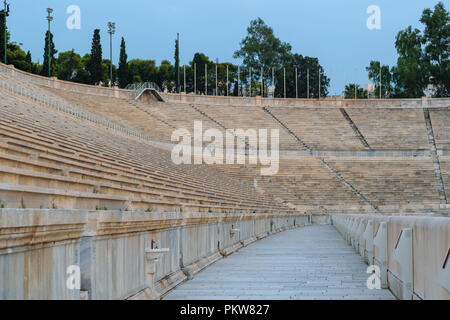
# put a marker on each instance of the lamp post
(320, 84)
(217, 62)
(49, 19)
(5, 12)
(111, 31)
(307, 83)
(343, 76)
(380, 81)
(273, 82)
(178, 65)
(227, 80)
(331, 82)
(262, 82)
(195, 78)
(250, 77)
(239, 82)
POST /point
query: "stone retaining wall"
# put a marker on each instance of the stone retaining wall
(430, 246)
(37, 247)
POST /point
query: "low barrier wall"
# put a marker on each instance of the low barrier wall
(111, 249)
(307, 103)
(413, 251)
(229, 101)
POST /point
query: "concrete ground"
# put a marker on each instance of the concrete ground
(306, 263)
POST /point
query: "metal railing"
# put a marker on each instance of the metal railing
(65, 107)
(139, 87)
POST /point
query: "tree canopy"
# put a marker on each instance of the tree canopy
(94, 66)
(422, 59)
(262, 49)
(49, 46)
(436, 37)
(70, 67)
(3, 27)
(123, 73)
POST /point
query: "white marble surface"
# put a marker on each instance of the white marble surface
(306, 263)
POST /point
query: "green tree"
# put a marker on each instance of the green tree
(201, 60)
(261, 49)
(349, 92)
(28, 57)
(123, 73)
(18, 58)
(410, 74)
(436, 37)
(386, 79)
(142, 70)
(70, 67)
(94, 67)
(222, 77)
(177, 65)
(3, 27)
(164, 76)
(53, 52)
(31, 66)
(305, 66)
(106, 65)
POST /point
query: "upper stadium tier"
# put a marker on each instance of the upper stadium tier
(72, 146)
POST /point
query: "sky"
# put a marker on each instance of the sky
(335, 31)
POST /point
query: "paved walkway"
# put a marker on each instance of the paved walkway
(306, 263)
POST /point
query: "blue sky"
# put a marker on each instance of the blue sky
(333, 30)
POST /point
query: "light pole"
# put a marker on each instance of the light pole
(239, 82)
(320, 84)
(227, 80)
(195, 78)
(331, 83)
(343, 76)
(250, 76)
(206, 79)
(217, 63)
(178, 66)
(5, 12)
(307, 84)
(111, 31)
(273, 82)
(262, 82)
(296, 83)
(49, 19)
(380, 81)
(284, 80)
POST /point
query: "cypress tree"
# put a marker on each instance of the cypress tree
(53, 52)
(29, 61)
(95, 62)
(28, 57)
(3, 27)
(123, 73)
(177, 64)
